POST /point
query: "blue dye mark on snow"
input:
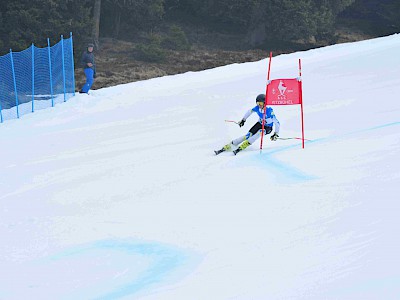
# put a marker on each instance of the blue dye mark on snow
(336, 137)
(281, 171)
(161, 261)
(286, 172)
(379, 127)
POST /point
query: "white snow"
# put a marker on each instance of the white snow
(118, 195)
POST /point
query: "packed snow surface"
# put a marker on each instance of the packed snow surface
(118, 194)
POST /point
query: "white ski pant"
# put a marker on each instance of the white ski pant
(250, 137)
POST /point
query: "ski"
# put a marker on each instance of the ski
(236, 151)
(219, 151)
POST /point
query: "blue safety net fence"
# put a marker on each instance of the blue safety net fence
(36, 78)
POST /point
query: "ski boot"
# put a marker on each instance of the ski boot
(243, 146)
(227, 147)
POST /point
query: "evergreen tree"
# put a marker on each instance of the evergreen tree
(24, 22)
(286, 20)
(376, 17)
(390, 15)
(130, 16)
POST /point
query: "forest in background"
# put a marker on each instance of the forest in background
(140, 39)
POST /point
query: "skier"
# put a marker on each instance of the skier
(89, 67)
(255, 131)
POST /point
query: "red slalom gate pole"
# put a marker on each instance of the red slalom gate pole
(265, 104)
(301, 103)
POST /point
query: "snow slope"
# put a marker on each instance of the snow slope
(118, 195)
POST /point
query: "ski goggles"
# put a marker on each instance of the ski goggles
(260, 103)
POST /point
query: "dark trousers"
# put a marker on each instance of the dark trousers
(258, 126)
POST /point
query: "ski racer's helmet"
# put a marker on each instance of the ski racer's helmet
(260, 98)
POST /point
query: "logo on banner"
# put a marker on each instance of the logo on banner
(283, 92)
(282, 89)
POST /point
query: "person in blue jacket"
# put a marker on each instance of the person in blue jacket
(89, 68)
(255, 132)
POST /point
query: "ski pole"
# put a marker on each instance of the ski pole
(292, 138)
(232, 121)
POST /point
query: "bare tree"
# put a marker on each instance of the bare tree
(96, 23)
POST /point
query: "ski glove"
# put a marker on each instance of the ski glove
(241, 123)
(274, 137)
